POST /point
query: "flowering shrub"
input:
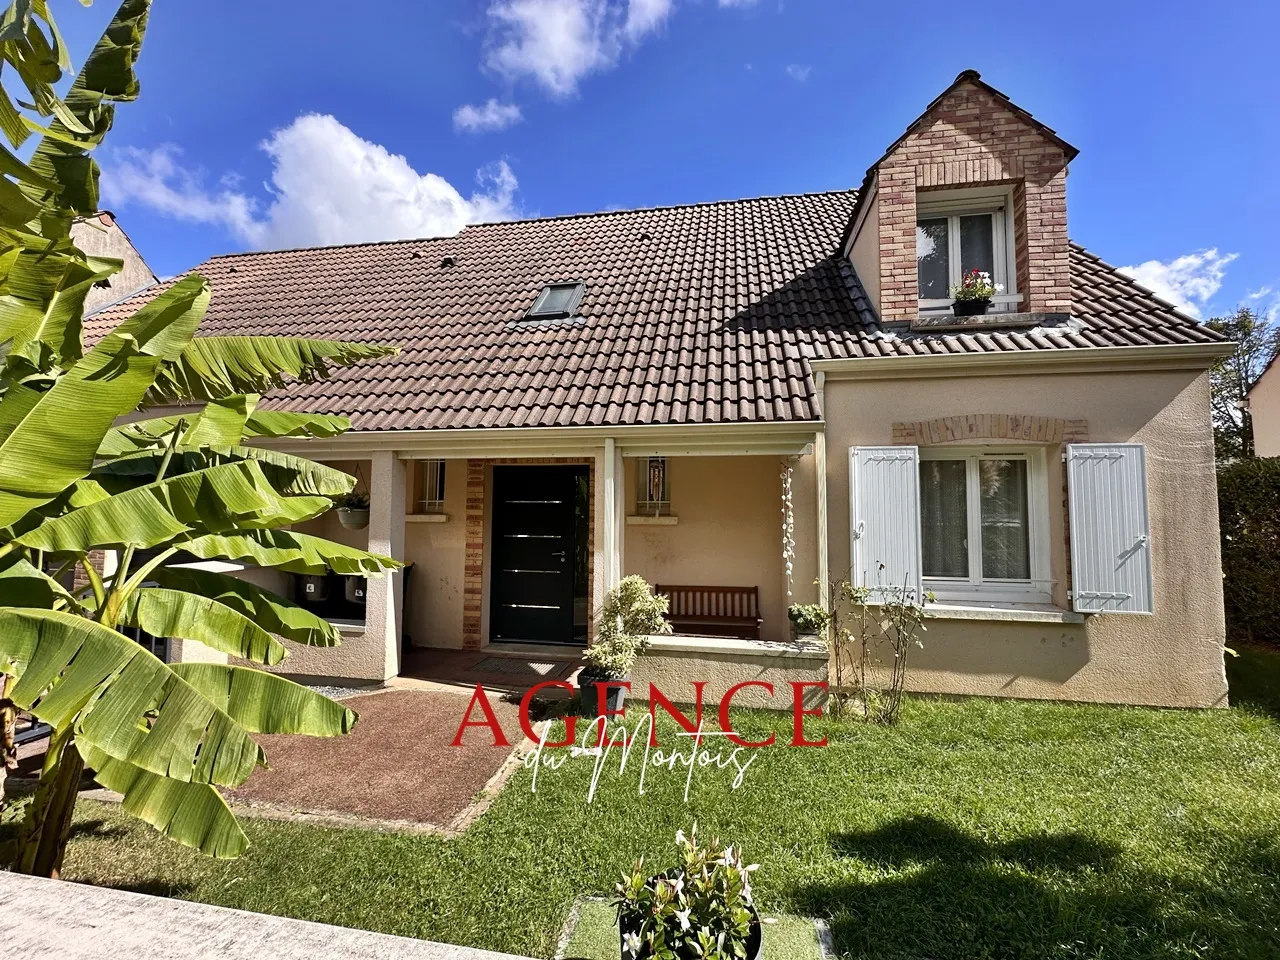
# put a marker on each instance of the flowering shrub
(630, 614)
(976, 285)
(698, 910)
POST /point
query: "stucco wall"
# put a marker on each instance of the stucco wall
(729, 532)
(1264, 406)
(101, 236)
(1171, 658)
(865, 252)
(438, 554)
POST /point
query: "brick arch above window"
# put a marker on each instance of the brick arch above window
(991, 426)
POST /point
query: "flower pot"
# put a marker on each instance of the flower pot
(353, 588)
(798, 635)
(591, 690)
(353, 519)
(970, 308)
(755, 940)
(313, 589)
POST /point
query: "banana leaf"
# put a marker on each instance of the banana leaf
(262, 702)
(121, 699)
(214, 367)
(43, 301)
(290, 475)
(227, 497)
(23, 585)
(54, 444)
(107, 77)
(193, 814)
(269, 611)
(145, 434)
(289, 551)
(174, 613)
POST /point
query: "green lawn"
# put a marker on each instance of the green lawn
(974, 829)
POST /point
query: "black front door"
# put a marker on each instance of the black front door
(534, 553)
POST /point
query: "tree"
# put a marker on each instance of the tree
(72, 483)
(1231, 378)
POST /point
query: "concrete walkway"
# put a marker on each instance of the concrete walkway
(56, 920)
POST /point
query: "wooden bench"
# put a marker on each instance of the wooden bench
(713, 611)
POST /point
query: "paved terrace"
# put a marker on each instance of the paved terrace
(55, 920)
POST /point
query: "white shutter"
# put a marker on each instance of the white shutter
(1110, 529)
(884, 512)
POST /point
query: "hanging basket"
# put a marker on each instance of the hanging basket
(353, 519)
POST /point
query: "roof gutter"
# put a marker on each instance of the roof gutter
(708, 439)
(1195, 356)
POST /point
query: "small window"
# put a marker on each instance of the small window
(982, 518)
(958, 234)
(428, 495)
(653, 495)
(556, 301)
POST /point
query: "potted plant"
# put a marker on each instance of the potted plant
(809, 621)
(630, 614)
(701, 909)
(353, 510)
(973, 296)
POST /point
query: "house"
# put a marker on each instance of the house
(1264, 411)
(765, 394)
(102, 236)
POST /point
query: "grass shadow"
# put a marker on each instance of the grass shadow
(933, 890)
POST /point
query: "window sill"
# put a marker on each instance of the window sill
(426, 518)
(1008, 612)
(648, 520)
(349, 628)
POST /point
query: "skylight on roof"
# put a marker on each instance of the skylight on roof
(556, 301)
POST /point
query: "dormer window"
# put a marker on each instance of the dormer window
(962, 230)
(557, 301)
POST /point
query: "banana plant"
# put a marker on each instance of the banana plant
(77, 483)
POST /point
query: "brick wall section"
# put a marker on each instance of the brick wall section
(991, 426)
(972, 138)
(473, 558)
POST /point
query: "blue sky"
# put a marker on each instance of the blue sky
(286, 123)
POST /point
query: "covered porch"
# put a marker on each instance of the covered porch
(512, 541)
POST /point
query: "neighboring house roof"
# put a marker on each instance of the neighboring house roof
(692, 314)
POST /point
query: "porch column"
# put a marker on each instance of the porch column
(386, 536)
(613, 514)
(820, 465)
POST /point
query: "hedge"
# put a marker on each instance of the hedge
(1249, 515)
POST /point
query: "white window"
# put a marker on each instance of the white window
(653, 495)
(428, 493)
(959, 231)
(984, 524)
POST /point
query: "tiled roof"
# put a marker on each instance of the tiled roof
(692, 314)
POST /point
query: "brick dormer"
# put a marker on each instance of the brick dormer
(974, 180)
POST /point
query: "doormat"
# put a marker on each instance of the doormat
(514, 666)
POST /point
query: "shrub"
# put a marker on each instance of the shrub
(630, 614)
(809, 617)
(1249, 516)
(700, 909)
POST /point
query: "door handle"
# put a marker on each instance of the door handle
(558, 553)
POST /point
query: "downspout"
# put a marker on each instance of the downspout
(820, 464)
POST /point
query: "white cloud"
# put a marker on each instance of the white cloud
(490, 115)
(559, 42)
(1188, 281)
(797, 72)
(327, 186)
(737, 3)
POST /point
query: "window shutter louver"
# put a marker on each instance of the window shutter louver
(884, 511)
(1110, 528)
